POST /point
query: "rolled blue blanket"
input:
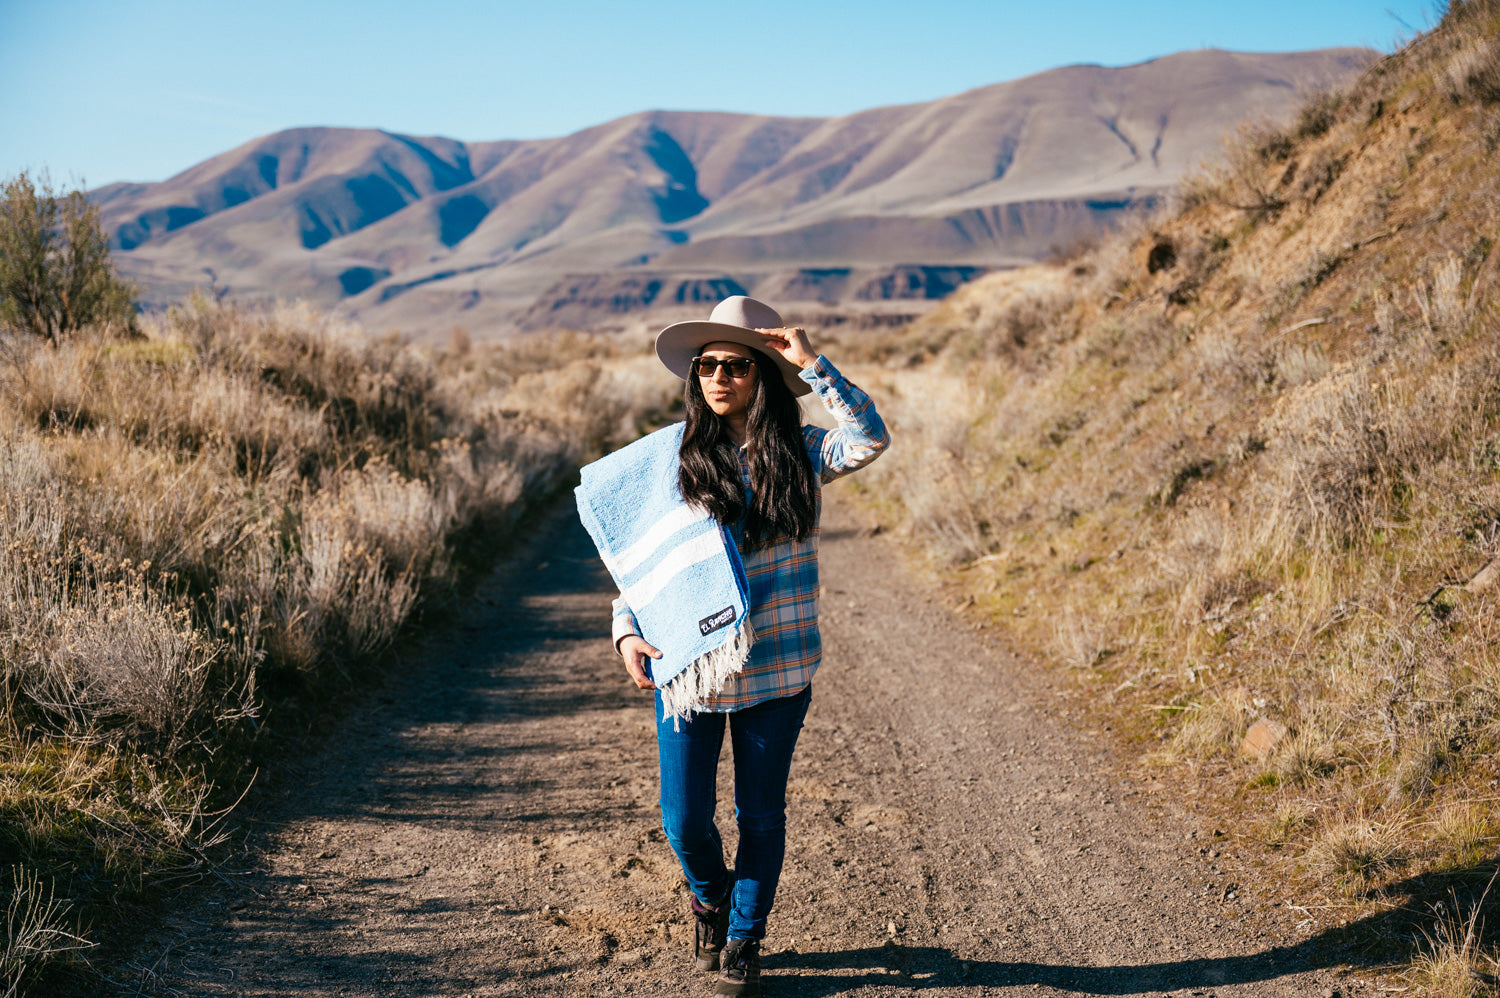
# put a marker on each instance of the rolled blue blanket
(677, 568)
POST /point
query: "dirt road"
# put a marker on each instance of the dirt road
(487, 825)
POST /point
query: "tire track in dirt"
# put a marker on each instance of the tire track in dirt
(486, 824)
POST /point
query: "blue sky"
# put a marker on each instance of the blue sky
(105, 90)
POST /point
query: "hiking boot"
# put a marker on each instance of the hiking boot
(740, 974)
(710, 930)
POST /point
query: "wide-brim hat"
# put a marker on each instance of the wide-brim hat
(733, 320)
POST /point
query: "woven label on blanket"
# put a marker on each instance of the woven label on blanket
(712, 623)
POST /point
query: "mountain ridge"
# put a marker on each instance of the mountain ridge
(423, 232)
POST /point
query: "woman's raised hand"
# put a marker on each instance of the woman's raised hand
(636, 652)
(792, 343)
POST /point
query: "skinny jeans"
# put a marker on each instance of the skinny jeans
(763, 737)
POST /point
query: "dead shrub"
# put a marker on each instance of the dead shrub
(1192, 562)
(176, 513)
(1318, 114)
(242, 491)
(37, 931)
(1246, 174)
(949, 502)
(1388, 318)
(949, 510)
(1441, 302)
(263, 429)
(1418, 765)
(1466, 834)
(350, 603)
(1319, 173)
(395, 517)
(33, 517)
(1288, 821)
(52, 388)
(1291, 291)
(1222, 354)
(1203, 565)
(1150, 340)
(117, 656)
(1014, 326)
(1289, 465)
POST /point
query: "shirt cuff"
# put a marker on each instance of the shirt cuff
(623, 624)
(821, 369)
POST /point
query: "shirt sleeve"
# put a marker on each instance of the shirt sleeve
(624, 622)
(860, 435)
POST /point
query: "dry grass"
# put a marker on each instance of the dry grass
(1454, 961)
(1303, 759)
(1288, 822)
(1467, 832)
(1215, 726)
(1259, 439)
(1081, 637)
(35, 930)
(1328, 468)
(1354, 851)
(230, 515)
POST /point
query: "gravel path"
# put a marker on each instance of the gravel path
(486, 824)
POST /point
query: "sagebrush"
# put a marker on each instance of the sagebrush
(229, 514)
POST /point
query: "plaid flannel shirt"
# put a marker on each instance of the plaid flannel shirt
(783, 576)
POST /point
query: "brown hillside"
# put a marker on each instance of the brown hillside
(423, 233)
(1244, 468)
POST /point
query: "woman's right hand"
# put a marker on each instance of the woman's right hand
(635, 651)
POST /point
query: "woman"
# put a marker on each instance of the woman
(747, 460)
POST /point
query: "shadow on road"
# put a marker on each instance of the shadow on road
(1383, 940)
(515, 655)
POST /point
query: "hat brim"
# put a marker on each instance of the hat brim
(679, 343)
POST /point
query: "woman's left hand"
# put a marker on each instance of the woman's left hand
(791, 342)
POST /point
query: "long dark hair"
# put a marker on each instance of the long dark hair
(781, 476)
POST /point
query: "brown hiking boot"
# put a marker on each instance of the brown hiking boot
(740, 974)
(710, 930)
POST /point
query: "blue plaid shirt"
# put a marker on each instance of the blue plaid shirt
(783, 576)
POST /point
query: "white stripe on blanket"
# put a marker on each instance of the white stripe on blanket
(690, 552)
(627, 560)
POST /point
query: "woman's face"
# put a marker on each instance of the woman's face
(727, 396)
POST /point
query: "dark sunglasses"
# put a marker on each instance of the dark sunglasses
(707, 367)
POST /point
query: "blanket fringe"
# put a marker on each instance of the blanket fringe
(705, 677)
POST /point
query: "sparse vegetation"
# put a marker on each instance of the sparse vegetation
(210, 527)
(1259, 439)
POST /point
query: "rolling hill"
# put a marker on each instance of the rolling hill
(669, 208)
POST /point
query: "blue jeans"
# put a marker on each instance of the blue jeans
(763, 737)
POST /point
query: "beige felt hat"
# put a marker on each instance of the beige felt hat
(733, 320)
